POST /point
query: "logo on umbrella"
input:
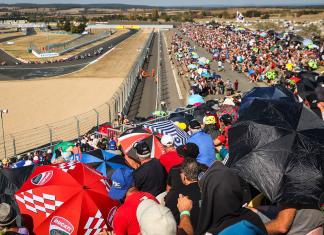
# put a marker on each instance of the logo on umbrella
(42, 178)
(60, 226)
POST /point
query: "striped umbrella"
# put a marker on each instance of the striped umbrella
(134, 135)
(168, 128)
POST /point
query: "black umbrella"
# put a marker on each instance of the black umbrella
(278, 147)
(10, 181)
(307, 84)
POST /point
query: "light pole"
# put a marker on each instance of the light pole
(2, 111)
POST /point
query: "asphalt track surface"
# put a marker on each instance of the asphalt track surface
(30, 71)
(144, 100)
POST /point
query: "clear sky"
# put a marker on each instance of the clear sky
(180, 2)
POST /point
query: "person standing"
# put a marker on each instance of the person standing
(236, 84)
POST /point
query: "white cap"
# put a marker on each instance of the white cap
(167, 140)
(155, 219)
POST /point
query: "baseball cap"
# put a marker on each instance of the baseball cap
(155, 219)
(194, 124)
(122, 180)
(208, 120)
(142, 149)
(167, 140)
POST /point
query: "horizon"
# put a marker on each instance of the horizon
(170, 3)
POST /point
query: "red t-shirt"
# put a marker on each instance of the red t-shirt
(170, 159)
(125, 221)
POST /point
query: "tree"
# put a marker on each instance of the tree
(67, 26)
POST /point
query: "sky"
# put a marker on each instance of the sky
(179, 2)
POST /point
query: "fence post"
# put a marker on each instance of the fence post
(14, 145)
(50, 135)
(109, 112)
(77, 126)
(97, 116)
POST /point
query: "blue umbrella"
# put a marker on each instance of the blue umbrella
(251, 71)
(263, 34)
(266, 93)
(307, 42)
(104, 161)
(206, 75)
(193, 99)
(192, 66)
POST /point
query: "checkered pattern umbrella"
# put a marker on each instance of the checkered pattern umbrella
(69, 198)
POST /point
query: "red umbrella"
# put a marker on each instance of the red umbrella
(68, 198)
(295, 79)
(131, 136)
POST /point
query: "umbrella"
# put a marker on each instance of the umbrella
(251, 71)
(11, 180)
(263, 34)
(168, 128)
(192, 66)
(134, 135)
(267, 93)
(67, 198)
(307, 42)
(307, 84)
(195, 98)
(206, 75)
(65, 145)
(277, 147)
(104, 161)
(271, 75)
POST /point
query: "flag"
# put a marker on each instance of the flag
(169, 128)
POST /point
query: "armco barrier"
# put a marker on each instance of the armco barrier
(72, 128)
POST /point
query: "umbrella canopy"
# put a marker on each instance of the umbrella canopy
(263, 34)
(251, 71)
(180, 137)
(134, 135)
(65, 145)
(104, 161)
(277, 147)
(307, 84)
(195, 98)
(307, 42)
(11, 180)
(267, 93)
(192, 66)
(67, 198)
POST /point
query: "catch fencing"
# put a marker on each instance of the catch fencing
(72, 128)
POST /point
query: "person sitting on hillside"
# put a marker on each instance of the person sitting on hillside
(123, 189)
(189, 176)
(150, 176)
(204, 142)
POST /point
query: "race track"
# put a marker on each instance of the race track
(29, 71)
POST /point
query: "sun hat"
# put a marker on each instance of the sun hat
(122, 180)
(7, 214)
(209, 120)
(155, 219)
(167, 140)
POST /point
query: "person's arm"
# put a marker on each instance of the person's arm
(282, 223)
(185, 204)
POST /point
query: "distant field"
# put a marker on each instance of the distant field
(20, 47)
(6, 35)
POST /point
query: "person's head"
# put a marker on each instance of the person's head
(156, 219)
(188, 150)
(122, 181)
(143, 151)
(194, 126)
(167, 141)
(226, 119)
(7, 216)
(189, 171)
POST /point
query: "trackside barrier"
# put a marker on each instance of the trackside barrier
(72, 128)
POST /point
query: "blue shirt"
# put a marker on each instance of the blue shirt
(206, 147)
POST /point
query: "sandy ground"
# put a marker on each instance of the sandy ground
(35, 103)
(6, 35)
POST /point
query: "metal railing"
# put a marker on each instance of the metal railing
(72, 128)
